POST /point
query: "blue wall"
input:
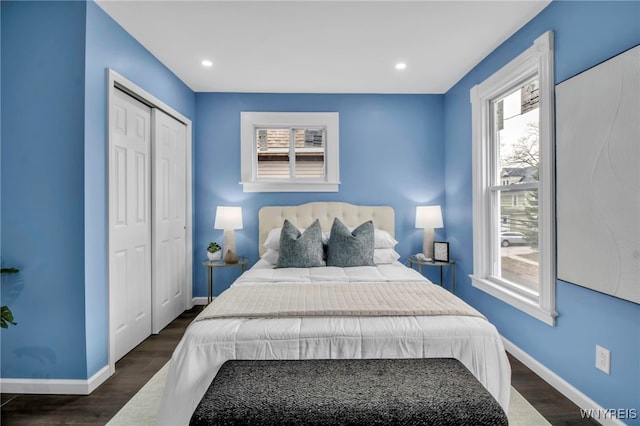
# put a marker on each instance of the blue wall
(109, 46)
(391, 153)
(42, 188)
(586, 33)
(1, 142)
(54, 190)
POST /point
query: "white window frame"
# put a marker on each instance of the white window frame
(537, 60)
(250, 121)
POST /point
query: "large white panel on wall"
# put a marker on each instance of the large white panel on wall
(598, 177)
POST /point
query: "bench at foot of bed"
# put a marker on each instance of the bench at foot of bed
(436, 391)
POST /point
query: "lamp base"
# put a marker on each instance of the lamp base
(427, 243)
(231, 257)
(229, 240)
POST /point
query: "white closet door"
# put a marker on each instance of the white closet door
(129, 222)
(169, 219)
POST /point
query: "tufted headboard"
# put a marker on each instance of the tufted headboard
(303, 215)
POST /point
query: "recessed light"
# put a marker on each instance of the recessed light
(401, 66)
(206, 63)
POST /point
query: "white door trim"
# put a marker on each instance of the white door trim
(116, 80)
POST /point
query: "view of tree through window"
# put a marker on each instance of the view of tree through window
(516, 186)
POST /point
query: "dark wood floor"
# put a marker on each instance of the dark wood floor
(132, 372)
(555, 407)
(138, 366)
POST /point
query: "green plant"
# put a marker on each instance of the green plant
(6, 316)
(213, 247)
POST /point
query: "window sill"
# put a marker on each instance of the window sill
(516, 300)
(290, 186)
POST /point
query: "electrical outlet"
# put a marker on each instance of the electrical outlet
(603, 359)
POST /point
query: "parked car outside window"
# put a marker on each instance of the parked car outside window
(512, 238)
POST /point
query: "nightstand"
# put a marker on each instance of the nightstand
(210, 264)
(413, 261)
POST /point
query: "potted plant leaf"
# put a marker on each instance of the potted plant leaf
(6, 316)
(214, 251)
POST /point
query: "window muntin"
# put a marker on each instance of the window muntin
(513, 182)
(289, 151)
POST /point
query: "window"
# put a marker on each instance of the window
(513, 198)
(289, 151)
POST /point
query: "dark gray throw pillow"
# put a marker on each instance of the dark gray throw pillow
(348, 248)
(300, 250)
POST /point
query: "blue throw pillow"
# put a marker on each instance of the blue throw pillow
(348, 248)
(300, 250)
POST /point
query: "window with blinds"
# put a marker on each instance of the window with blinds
(290, 152)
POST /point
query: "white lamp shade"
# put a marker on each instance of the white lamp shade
(428, 217)
(228, 218)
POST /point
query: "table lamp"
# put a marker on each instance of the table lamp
(228, 219)
(428, 217)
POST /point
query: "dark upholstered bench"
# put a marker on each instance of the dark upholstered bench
(437, 391)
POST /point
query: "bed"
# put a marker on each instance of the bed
(250, 321)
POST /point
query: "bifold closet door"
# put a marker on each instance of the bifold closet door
(129, 221)
(169, 219)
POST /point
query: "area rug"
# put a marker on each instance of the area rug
(142, 408)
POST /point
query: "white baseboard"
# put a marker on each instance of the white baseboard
(55, 386)
(99, 378)
(561, 385)
(200, 300)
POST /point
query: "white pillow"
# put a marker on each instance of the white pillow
(386, 255)
(271, 256)
(273, 238)
(383, 239)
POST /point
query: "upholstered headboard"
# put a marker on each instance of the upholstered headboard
(303, 215)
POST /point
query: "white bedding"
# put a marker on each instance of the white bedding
(207, 344)
(332, 299)
(265, 272)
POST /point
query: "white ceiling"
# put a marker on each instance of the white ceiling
(321, 46)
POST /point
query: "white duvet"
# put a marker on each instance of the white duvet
(264, 272)
(207, 344)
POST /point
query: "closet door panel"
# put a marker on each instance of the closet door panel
(130, 221)
(169, 219)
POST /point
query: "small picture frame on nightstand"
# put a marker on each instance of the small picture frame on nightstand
(440, 251)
